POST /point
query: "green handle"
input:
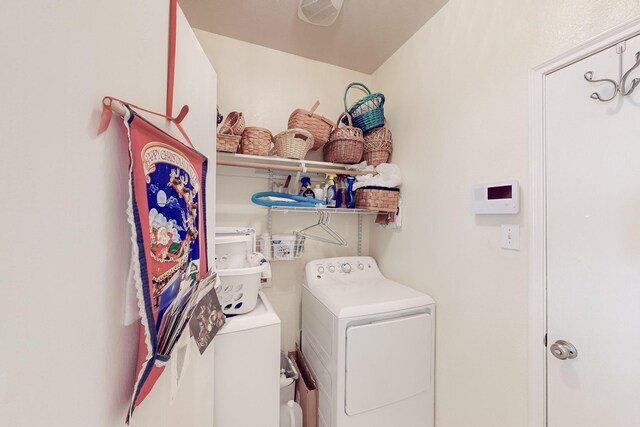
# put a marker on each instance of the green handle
(359, 86)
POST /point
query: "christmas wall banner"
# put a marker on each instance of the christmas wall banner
(167, 216)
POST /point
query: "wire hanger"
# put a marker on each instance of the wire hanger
(323, 223)
(619, 87)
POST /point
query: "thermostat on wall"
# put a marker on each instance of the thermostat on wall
(499, 198)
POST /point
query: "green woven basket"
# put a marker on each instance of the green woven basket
(367, 113)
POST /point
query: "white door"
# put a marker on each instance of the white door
(593, 246)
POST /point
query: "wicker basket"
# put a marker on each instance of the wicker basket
(368, 112)
(317, 125)
(233, 124)
(379, 199)
(227, 143)
(346, 143)
(378, 145)
(293, 143)
(256, 141)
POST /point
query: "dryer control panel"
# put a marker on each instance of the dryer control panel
(355, 268)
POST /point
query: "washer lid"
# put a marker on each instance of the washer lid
(351, 298)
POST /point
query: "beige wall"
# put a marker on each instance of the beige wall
(457, 103)
(267, 85)
(68, 357)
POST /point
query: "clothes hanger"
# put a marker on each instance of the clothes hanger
(323, 223)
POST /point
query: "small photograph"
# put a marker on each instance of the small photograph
(207, 319)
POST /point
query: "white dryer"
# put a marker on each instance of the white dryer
(370, 344)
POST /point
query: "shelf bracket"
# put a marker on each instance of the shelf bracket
(359, 234)
(269, 214)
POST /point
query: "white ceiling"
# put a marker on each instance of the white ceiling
(366, 33)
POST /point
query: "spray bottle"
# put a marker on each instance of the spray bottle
(351, 197)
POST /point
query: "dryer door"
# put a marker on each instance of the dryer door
(387, 361)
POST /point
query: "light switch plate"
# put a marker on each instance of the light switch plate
(510, 237)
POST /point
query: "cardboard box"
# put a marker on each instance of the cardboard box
(306, 390)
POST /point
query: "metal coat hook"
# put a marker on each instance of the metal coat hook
(619, 87)
(588, 76)
(634, 82)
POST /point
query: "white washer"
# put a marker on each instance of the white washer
(247, 369)
(370, 344)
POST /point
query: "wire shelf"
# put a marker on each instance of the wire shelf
(282, 250)
(325, 209)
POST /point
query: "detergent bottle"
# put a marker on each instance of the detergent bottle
(331, 191)
(305, 189)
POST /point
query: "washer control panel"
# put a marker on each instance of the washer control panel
(356, 268)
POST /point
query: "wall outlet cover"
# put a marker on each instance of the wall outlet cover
(510, 237)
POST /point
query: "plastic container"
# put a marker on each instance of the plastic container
(318, 192)
(341, 191)
(283, 246)
(234, 231)
(238, 288)
(264, 245)
(290, 415)
(232, 250)
(288, 377)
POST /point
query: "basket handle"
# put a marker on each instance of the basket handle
(358, 86)
(314, 108)
(229, 122)
(348, 116)
(302, 134)
(305, 136)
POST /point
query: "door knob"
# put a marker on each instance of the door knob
(563, 350)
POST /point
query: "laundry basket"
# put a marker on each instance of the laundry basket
(238, 288)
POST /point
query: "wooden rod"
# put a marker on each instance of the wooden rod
(292, 168)
(116, 106)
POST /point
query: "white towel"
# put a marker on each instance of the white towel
(388, 176)
(255, 259)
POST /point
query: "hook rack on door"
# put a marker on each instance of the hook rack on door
(619, 87)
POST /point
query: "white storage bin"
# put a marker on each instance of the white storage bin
(232, 250)
(283, 246)
(234, 231)
(238, 288)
